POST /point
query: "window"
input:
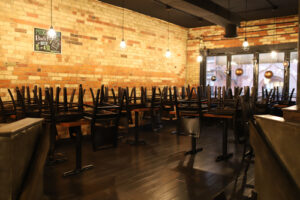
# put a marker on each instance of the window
(216, 66)
(244, 62)
(275, 65)
(293, 72)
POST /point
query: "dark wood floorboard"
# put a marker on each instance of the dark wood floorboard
(159, 170)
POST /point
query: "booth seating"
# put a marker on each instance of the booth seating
(24, 147)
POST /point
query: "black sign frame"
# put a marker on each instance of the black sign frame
(42, 43)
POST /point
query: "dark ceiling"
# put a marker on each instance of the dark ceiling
(256, 9)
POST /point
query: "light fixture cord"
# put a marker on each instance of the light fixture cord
(200, 39)
(51, 13)
(245, 20)
(168, 29)
(123, 3)
(274, 38)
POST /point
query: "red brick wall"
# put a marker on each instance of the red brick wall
(257, 33)
(91, 34)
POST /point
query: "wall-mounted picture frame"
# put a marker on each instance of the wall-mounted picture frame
(42, 43)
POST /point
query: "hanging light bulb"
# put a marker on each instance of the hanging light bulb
(286, 63)
(168, 53)
(200, 58)
(123, 44)
(51, 33)
(273, 54)
(245, 45)
(295, 61)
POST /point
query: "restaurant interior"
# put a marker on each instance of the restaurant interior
(149, 99)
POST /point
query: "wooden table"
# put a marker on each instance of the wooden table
(137, 111)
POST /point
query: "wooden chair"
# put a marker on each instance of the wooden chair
(104, 121)
(167, 102)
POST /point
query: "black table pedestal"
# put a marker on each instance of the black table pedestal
(225, 156)
(78, 169)
(136, 140)
(54, 158)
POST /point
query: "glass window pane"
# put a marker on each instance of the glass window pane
(244, 62)
(216, 66)
(273, 64)
(293, 72)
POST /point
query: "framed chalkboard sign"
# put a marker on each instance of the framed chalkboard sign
(43, 43)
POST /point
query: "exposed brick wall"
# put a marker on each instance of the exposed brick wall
(91, 34)
(257, 33)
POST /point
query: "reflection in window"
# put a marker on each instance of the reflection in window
(216, 66)
(244, 62)
(293, 72)
(275, 65)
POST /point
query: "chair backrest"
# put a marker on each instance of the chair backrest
(208, 92)
(93, 96)
(40, 96)
(28, 95)
(106, 94)
(80, 98)
(247, 92)
(35, 95)
(182, 92)
(58, 89)
(49, 106)
(65, 93)
(12, 100)
(291, 96)
(229, 93)
(21, 101)
(156, 98)
(72, 96)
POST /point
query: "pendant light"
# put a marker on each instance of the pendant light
(274, 53)
(200, 57)
(51, 32)
(123, 43)
(245, 43)
(168, 52)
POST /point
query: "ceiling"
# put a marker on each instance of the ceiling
(256, 9)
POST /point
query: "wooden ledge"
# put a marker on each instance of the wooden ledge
(74, 124)
(217, 116)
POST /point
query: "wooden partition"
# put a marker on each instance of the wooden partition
(19, 150)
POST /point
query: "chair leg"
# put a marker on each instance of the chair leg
(54, 158)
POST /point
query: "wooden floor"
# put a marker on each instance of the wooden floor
(158, 170)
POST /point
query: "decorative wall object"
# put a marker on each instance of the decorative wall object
(43, 43)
